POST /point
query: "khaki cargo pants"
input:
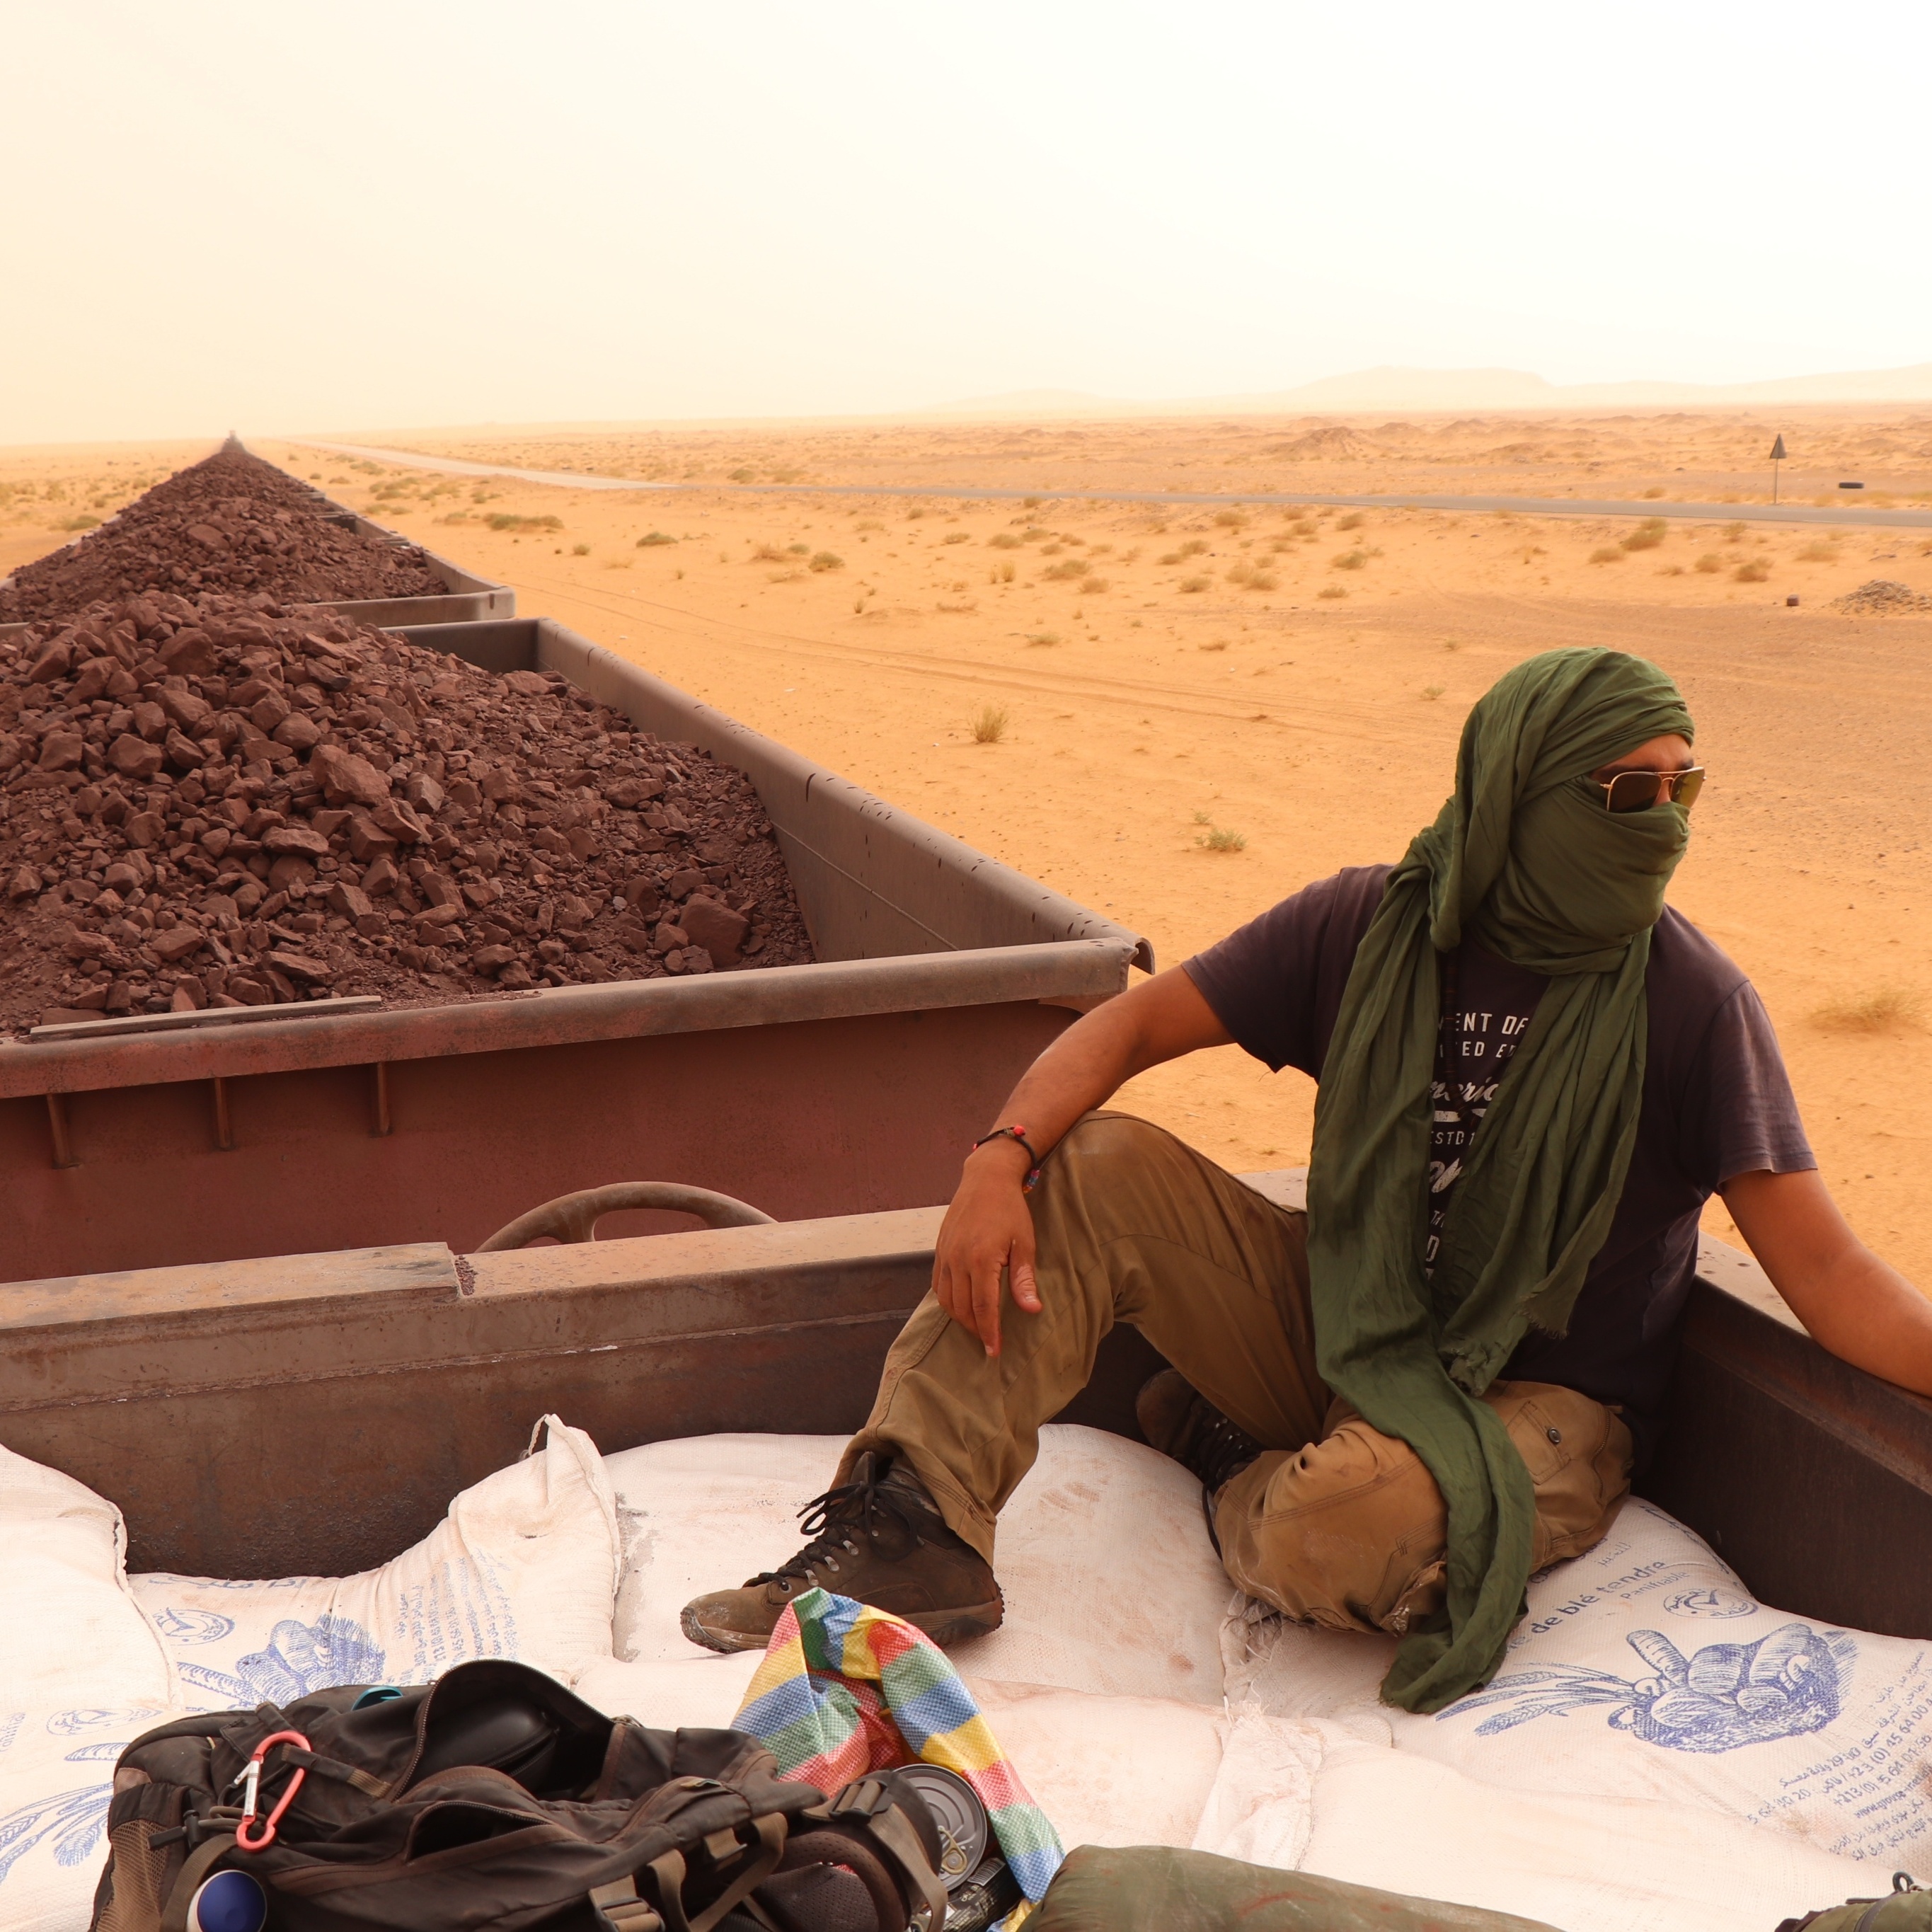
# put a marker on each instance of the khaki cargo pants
(1337, 1523)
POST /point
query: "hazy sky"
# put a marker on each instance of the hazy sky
(296, 216)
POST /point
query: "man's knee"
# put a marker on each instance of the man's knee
(1350, 1532)
(1342, 1532)
(1578, 1455)
(1100, 1146)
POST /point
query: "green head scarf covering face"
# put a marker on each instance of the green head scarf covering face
(1524, 860)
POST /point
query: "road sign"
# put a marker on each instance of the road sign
(1777, 458)
(1777, 451)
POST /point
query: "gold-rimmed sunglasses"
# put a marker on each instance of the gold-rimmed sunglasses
(1638, 791)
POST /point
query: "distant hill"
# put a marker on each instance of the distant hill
(1398, 388)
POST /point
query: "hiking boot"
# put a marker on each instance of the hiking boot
(880, 1539)
(1181, 1422)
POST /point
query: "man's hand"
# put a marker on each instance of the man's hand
(1850, 1302)
(988, 1229)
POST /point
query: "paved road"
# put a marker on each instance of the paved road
(1848, 513)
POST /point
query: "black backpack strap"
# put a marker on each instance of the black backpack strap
(365, 1782)
(869, 1804)
(198, 1865)
(619, 1906)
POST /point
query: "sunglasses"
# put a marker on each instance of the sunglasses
(1638, 791)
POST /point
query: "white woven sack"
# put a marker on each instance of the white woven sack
(1645, 1670)
(1155, 1770)
(81, 1676)
(1389, 1818)
(1111, 1584)
(524, 1566)
(701, 1691)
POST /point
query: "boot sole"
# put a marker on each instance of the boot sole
(944, 1626)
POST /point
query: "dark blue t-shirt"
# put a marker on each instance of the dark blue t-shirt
(1717, 1103)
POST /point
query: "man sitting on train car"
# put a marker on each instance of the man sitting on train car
(1439, 1379)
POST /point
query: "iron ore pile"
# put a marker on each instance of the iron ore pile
(232, 523)
(225, 802)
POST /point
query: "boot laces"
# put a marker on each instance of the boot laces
(1220, 1450)
(829, 1521)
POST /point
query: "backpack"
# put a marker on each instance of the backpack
(1907, 1907)
(494, 1798)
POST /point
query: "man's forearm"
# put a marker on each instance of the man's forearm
(1851, 1302)
(1158, 1020)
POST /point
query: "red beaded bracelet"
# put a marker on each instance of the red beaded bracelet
(1017, 1135)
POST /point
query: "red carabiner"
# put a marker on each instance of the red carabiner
(251, 1784)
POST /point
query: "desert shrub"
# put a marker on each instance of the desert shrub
(1042, 640)
(1230, 520)
(1005, 540)
(825, 560)
(1819, 552)
(1432, 691)
(1191, 585)
(1219, 838)
(1648, 535)
(1349, 560)
(768, 553)
(1883, 1010)
(1710, 563)
(651, 539)
(503, 520)
(1331, 590)
(83, 522)
(1219, 644)
(1610, 554)
(579, 549)
(988, 724)
(1352, 521)
(1754, 571)
(959, 536)
(1000, 573)
(1073, 567)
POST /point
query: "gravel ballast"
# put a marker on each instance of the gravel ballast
(222, 803)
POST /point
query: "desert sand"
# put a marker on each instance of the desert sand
(1199, 710)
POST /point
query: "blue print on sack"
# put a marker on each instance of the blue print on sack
(301, 1657)
(1726, 1696)
(72, 1820)
(65, 1723)
(1709, 1601)
(187, 1627)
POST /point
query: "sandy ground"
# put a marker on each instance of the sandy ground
(1295, 683)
